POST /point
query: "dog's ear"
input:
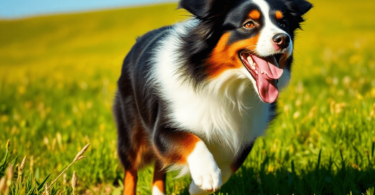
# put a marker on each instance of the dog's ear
(303, 6)
(204, 8)
(199, 8)
(298, 7)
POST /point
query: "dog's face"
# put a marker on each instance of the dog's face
(254, 36)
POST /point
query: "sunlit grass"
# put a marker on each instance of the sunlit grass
(58, 76)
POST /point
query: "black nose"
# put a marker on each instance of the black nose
(282, 40)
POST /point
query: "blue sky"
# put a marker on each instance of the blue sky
(24, 8)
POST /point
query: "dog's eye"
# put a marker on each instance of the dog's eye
(249, 24)
(282, 24)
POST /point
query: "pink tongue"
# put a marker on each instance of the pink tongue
(268, 73)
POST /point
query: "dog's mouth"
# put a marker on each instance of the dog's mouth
(266, 72)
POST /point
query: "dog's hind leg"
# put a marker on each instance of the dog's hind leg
(158, 182)
(134, 154)
(130, 182)
(132, 144)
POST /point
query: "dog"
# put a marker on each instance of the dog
(194, 96)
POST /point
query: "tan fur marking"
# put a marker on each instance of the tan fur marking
(254, 14)
(225, 56)
(142, 153)
(159, 177)
(186, 144)
(279, 15)
(130, 182)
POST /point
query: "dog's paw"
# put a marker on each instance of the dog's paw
(195, 190)
(203, 169)
(207, 176)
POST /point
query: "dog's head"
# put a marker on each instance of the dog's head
(252, 36)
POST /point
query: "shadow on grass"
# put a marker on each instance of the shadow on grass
(318, 178)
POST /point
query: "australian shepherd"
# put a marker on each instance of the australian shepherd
(195, 96)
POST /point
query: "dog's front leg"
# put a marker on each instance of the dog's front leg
(184, 148)
(203, 169)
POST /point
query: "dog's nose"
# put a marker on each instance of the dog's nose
(281, 40)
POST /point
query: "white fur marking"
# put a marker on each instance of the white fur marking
(156, 191)
(203, 168)
(264, 45)
(196, 190)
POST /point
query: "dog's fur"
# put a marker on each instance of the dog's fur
(188, 98)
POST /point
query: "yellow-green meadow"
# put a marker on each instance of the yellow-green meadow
(58, 77)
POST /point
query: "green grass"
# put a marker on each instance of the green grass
(58, 76)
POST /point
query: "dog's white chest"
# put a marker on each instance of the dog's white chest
(224, 126)
(251, 124)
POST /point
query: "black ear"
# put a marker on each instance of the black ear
(299, 7)
(303, 6)
(199, 8)
(204, 9)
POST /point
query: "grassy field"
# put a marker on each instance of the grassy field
(58, 76)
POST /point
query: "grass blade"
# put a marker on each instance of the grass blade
(372, 150)
(41, 185)
(318, 164)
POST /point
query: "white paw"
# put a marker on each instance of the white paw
(203, 169)
(195, 190)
